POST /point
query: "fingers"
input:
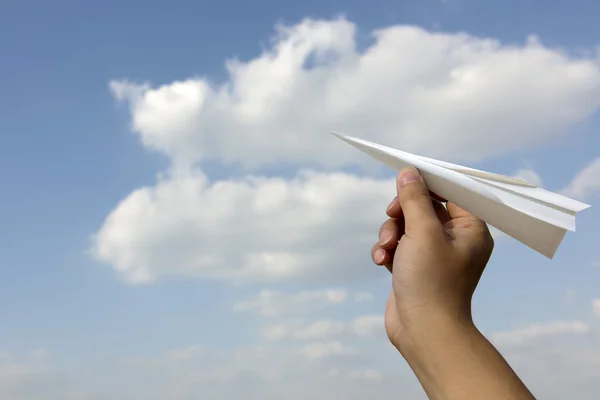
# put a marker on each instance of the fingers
(390, 233)
(457, 212)
(380, 256)
(420, 217)
(414, 205)
(479, 230)
(394, 210)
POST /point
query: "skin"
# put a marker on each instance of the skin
(436, 255)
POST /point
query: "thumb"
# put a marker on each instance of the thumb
(414, 198)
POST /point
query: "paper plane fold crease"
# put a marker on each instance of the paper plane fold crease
(536, 217)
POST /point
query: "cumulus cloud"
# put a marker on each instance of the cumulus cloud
(33, 376)
(324, 349)
(596, 306)
(318, 329)
(560, 366)
(329, 369)
(586, 182)
(539, 331)
(368, 325)
(334, 368)
(530, 176)
(315, 227)
(422, 91)
(367, 374)
(272, 303)
(341, 370)
(297, 329)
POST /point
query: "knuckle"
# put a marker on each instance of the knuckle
(486, 239)
(414, 192)
(388, 224)
(375, 247)
(489, 242)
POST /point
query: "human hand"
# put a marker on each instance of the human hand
(436, 255)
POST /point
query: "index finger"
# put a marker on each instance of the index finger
(395, 211)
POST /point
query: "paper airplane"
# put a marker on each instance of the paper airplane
(536, 217)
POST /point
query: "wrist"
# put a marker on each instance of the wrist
(453, 360)
(427, 328)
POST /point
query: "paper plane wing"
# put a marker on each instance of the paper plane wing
(536, 217)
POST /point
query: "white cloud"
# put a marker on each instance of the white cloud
(275, 332)
(559, 367)
(329, 369)
(337, 370)
(423, 91)
(596, 306)
(320, 329)
(585, 182)
(530, 176)
(324, 349)
(316, 227)
(319, 370)
(33, 376)
(368, 325)
(363, 297)
(271, 303)
(298, 330)
(275, 303)
(278, 107)
(539, 331)
(367, 374)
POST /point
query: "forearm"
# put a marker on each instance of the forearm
(454, 361)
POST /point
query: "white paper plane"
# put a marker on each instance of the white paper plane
(536, 217)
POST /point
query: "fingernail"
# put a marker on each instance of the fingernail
(409, 175)
(379, 256)
(392, 204)
(385, 237)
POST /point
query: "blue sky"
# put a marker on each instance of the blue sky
(68, 157)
